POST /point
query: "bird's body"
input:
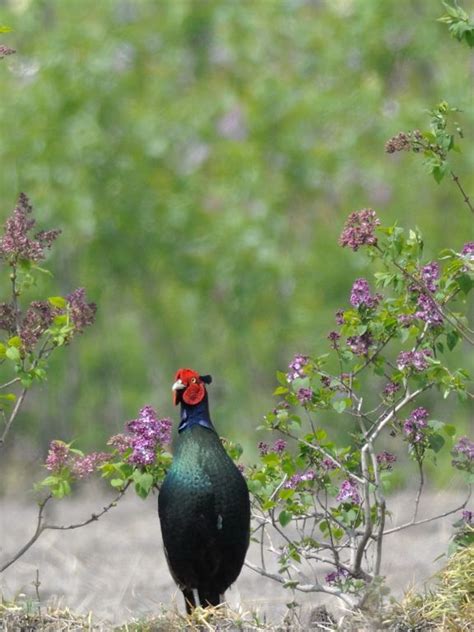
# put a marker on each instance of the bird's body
(204, 510)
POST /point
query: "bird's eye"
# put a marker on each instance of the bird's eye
(193, 380)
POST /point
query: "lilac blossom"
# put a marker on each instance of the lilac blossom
(430, 275)
(294, 480)
(340, 317)
(467, 516)
(463, 453)
(386, 460)
(428, 311)
(16, 243)
(296, 367)
(328, 464)
(360, 295)
(359, 230)
(86, 465)
(6, 50)
(405, 320)
(147, 433)
(82, 313)
(7, 317)
(121, 442)
(415, 425)
(416, 360)
(305, 395)
(360, 345)
(337, 576)
(58, 456)
(348, 492)
(263, 448)
(468, 249)
(279, 446)
(334, 336)
(39, 316)
(390, 389)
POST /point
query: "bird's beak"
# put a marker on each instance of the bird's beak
(176, 388)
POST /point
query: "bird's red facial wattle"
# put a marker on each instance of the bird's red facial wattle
(189, 387)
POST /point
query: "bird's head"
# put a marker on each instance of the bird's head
(189, 387)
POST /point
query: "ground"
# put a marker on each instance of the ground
(116, 567)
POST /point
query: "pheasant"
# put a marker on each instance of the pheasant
(203, 503)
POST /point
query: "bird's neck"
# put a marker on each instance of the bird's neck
(195, 415)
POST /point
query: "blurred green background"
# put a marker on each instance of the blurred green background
(201, 158)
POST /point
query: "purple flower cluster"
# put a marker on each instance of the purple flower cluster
(386, 460)
(400, 142)
(468, 249)
(428, 311)
(359, 229)
(390, 389)
(58, 456)
(6, 50)
(121, 442)
(279, 446)
(467, 516)
(305, 395)
(296, 367)
(147, 433)
(416, 360)
(340, 317)
(328, 464)
(334, 336)
(7, 317)
(82, 313)
(86, 465)
(360, 295)
(293, 482)
(16, 244)
(39, 316)
(405, 320)
(414, 427)
(348, 493)
(337, 576)
(430, 275)
(463, 453)
(360, 345)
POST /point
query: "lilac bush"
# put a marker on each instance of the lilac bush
(399, 335)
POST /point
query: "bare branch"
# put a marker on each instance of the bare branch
(41, 526)
(13, 414)
(413, 523)
(461, 190)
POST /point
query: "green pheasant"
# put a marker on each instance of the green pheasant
(203, 504)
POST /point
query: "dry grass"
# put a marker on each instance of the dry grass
(449, 607)
(28, 616)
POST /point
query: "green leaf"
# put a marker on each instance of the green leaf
(450, 430)
(57, 301)
(465, 283)
(3, 350)
(436, 442)
(285, 517)
(12, 353)
(117, 482)
(280, 390)
(14, 341)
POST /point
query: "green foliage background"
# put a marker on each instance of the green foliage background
(201, 158)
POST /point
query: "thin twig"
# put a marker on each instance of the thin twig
(425, 520)
(13, 414)
(463, 193)
(41, 526)
(420, 489)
